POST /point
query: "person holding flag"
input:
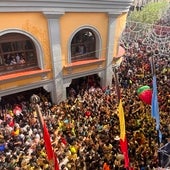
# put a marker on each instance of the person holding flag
(46, 136)
(123, 140)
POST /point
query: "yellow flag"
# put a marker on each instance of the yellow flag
(122, 121)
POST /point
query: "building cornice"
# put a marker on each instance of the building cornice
(117, 6)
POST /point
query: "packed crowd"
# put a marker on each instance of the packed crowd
(84, 128)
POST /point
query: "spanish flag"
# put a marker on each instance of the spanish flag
(123, 140)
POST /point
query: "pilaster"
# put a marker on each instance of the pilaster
(107, 75)
(53, 18)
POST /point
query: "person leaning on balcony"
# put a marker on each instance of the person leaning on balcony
(22, 60)
(17, 58)
(8, 59)
(13, 61)
(1, 60)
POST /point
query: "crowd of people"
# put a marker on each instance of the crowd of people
(84, 129)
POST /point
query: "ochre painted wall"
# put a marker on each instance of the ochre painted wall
(120, 25)
(70, 22)
(34, 24)
(19, 83)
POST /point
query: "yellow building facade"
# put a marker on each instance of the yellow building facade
(48, 44)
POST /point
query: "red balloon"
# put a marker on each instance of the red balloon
(146, 96)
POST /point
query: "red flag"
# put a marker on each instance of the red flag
(50, 153)
(47, 143)
(49, 150)
(56, 166)
(124, 149)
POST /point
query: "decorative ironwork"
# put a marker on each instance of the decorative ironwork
(156, 36)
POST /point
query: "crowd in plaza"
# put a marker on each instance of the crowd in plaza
(84, 128)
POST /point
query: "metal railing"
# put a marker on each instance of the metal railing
(5, 69)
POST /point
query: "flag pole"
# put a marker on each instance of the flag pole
(35, 100)
(123, 143)
(116, 84)
(154, 74)
(152, 62)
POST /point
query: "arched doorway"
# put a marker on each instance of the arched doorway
(24, 96)
(79, 85)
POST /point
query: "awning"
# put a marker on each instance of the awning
(117, 62)
(118, 59)
(121, 52)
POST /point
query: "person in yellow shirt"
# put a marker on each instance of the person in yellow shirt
(16, 131)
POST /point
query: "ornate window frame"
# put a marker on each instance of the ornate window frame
(38, 49)
(97, 38)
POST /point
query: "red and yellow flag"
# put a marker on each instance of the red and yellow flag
(123, 141)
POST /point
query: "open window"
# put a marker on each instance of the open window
(17, 52)
(83, 45)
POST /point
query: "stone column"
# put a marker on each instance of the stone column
(66, 83)
(107, 75)
(56, 57)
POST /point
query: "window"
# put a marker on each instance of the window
(83, 45)
(17, 52)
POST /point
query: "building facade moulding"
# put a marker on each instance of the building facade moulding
(34, 40)
(66, 5)
(82, 74)
(97, 36)
(52, 13)
(18, 89)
